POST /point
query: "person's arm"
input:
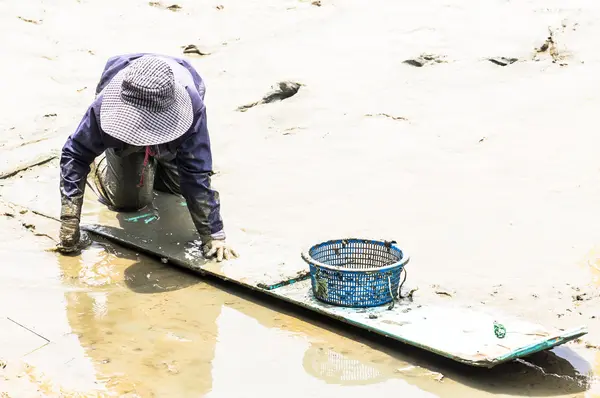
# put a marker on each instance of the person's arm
(113, 66)
(198, 82)
(194, 162)
(78, 153)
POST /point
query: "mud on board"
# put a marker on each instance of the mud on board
(455, 331)
(165, 229)
(168, 231)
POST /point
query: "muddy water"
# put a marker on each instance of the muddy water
(122, 324)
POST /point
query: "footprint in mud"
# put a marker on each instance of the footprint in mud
(279, 92)
(172, 7)
(292, 130)
(386, 115)
(503, 61)
(33, 21)
(550, 47)
(192, 49)
(425, 59)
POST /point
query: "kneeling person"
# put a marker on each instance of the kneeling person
(146, 130)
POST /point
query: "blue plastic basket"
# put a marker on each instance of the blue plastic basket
(355, 272)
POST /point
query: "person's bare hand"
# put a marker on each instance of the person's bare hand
(219, 249)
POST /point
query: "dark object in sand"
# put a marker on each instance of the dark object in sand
(424, 59)
(193, 49)
(387, 115)
(172, 7)
(544, 47)
(279, 92)
(33, 21)
(503, 61)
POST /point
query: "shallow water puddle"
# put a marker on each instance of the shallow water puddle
(271, 360)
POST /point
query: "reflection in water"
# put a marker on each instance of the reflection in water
(263, 357)
(96, 267)
(335, 368)
(147, 344)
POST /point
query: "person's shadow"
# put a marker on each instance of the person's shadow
(148, 275)
(163, 230)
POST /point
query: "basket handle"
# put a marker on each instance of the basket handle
(399, 287)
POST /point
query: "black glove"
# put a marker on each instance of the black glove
(72, 240)
(69, 235)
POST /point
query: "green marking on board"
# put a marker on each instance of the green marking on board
(150, 219)
(183, 203)
(136, 218)
(499, 330)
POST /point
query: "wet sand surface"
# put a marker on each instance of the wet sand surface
(488, 175)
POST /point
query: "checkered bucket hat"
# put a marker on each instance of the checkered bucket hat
(145, 105)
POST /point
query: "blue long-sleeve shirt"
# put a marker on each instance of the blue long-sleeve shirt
(191, 151)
